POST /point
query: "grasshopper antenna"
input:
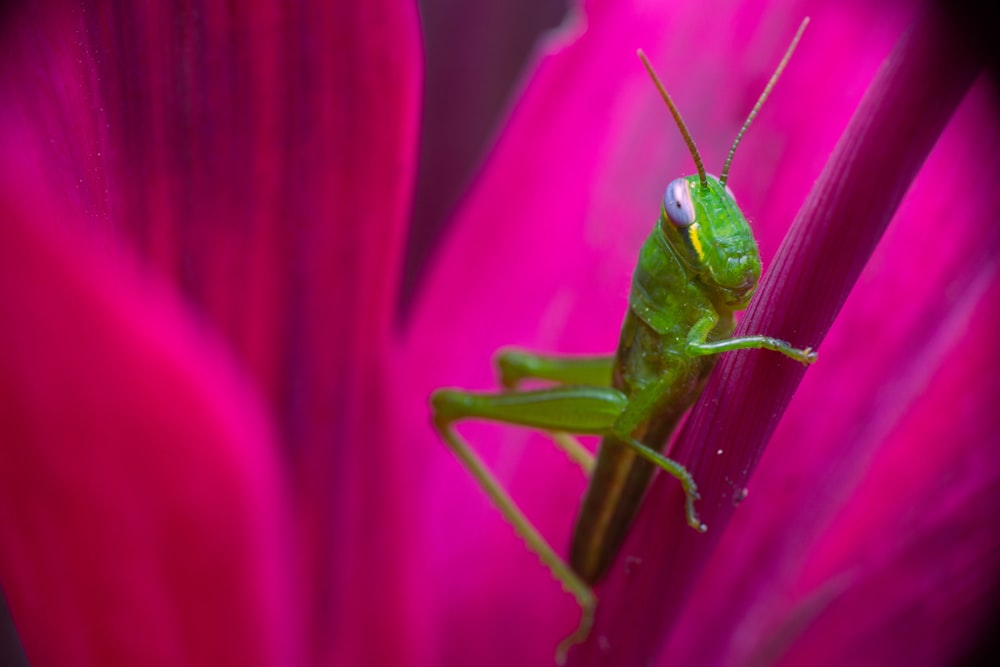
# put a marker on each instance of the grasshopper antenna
(677, 118)
(763, 96)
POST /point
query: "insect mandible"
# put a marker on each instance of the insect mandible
(697, 267)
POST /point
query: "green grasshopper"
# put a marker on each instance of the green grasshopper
(698, 266)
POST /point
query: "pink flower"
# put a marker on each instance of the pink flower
(216, 446)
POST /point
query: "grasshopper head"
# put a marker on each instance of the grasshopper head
(712, 238)
(700, 218)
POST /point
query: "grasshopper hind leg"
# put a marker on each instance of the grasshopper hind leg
(560, 570)
(514, 365)
(569, 409)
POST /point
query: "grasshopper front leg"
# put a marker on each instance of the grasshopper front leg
(698, 345)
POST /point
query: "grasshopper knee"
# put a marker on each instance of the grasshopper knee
(513, 366)
(450, 405)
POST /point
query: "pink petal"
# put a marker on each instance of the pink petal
(261, 155)
(913, 559)
(478, 48)
(143, 520)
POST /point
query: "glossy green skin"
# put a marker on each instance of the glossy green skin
(675, 290)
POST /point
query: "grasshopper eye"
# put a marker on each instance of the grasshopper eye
(677, 203)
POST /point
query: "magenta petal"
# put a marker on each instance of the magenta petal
(248, 154)
(142, 520)
(909, 571)
(261, 155)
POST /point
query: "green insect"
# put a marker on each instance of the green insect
(698, 266)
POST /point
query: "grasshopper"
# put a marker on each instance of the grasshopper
(698, 266)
